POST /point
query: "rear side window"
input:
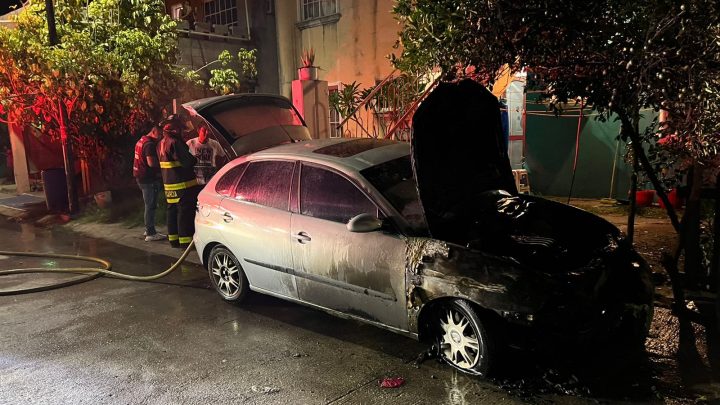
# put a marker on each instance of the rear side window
(266, 183)
(225, 185)
(328, 195)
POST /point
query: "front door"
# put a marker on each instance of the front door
(355, 273)
(258, 226)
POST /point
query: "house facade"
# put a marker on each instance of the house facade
(208, 27)
(351, 39)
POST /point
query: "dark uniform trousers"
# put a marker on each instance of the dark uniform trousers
(181, 217)
(181, 189)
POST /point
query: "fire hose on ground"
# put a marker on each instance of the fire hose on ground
(89, 272)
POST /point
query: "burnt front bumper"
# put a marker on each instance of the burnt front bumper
(607, 302)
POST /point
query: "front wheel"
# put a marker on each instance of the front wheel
(462, 339)
(226, 275)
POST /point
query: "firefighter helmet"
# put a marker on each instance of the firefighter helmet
(172, 125)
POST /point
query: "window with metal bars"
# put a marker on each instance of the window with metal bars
(311, 9)
(221, 12)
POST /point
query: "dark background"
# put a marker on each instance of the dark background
(7, 5)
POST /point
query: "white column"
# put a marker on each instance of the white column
(20, 161)
(311, 98)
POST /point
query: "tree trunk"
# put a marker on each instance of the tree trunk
(715, 265)
(691, 231)
(68, 160)
(670, 263)
(633, 202)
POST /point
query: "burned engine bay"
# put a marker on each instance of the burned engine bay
(468, 195)
(518, 255)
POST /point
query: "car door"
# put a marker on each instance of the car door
(258, 230)
(355, 273)
(210, 223)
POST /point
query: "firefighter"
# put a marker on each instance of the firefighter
(181, 186)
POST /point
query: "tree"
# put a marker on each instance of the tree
(113, 71)
(236, 74)
(618, 57)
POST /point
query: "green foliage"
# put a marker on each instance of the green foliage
(194, 78)
(236, 73)
(113, 70)
(247, 59)
(375, 109)
(346, 100)
(225, 80)
(667, 162)
(618, 56)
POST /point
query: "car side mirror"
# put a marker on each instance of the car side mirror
(364, 223)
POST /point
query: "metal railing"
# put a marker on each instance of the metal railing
(386, 110)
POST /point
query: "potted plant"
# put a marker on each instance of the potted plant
(644, 197)
(307, 71)
(645, 194)
(671, 178)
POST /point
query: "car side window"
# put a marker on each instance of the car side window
(225, 185)
(266, 183)
(328, 195)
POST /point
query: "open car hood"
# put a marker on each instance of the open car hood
(457, 154)
(247, 123)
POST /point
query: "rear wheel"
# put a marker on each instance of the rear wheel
(462, 339)
(227, 276)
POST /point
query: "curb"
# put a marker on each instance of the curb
(130, 237)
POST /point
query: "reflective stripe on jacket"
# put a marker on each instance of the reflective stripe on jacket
(176, 166)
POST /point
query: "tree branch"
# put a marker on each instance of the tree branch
(647, 168)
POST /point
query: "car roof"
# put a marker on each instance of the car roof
(354, 153)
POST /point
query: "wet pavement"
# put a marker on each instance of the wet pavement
(175, 341)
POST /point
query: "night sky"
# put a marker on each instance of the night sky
(6, 4)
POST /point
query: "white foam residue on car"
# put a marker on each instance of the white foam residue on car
(417, 248)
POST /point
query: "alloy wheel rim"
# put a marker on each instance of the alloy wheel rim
(459, 342)
(226, 274)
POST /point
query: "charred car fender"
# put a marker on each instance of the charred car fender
(437, 270)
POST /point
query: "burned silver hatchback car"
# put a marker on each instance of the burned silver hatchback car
(428, 239)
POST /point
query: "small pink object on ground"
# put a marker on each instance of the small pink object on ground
(392, 382)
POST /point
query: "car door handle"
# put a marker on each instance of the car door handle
(227, 217)
(302, 237)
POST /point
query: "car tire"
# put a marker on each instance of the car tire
(226, 275)
(461, 338)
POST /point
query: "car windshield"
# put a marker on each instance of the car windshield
(395, 181)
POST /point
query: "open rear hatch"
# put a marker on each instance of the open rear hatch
(247, 123)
